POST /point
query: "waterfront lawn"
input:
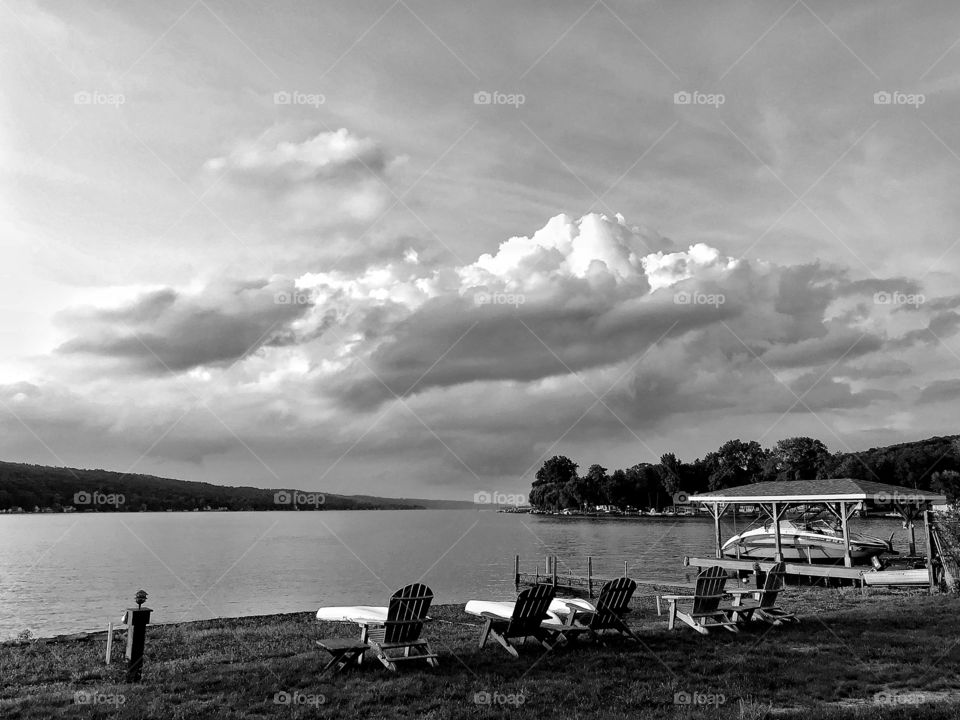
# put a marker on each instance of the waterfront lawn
(885, 655)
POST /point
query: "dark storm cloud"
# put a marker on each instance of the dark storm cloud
(174, 331)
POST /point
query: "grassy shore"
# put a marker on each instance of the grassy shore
(884, 655)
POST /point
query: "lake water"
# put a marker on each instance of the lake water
(71, 573)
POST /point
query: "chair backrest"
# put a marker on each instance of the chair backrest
(772, 585)
(613, 602)
(407, 612)
(709, 592)
(530, 610)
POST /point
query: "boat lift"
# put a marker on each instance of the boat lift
(841, 496)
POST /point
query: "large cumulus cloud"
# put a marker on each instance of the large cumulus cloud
(589, 332)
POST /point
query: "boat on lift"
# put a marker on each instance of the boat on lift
(814, 542)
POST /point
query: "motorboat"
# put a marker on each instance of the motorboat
(816, 542)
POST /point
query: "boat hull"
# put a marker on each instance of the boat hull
(798, 548)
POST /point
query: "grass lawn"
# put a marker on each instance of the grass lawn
(886, 655)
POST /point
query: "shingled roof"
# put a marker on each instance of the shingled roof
(827, 490)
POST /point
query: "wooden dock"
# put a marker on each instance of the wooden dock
(588, 585)
(827, 573)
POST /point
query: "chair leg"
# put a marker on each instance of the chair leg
(506, 643)
(485, 632)
(671, 615)
(698, 626)
(383, 657)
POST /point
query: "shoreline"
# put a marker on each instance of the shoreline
(850, 652)
(644, 599)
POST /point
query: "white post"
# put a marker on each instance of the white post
(776, 532)
(847, 560)
(716, 529)
(109, 641)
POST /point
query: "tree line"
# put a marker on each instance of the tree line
(932, 464)
(33, 488)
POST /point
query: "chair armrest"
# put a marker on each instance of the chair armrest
(369, 623)
(743, 591)
(493, 616)
(673, 598)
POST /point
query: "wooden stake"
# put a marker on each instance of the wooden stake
(927, 531)
(109, 641)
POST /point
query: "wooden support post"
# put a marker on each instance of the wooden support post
(137, 621)
(109, 642)
(847, 559)
(776, 533)
(913, 538)
(553, 566)
(931, 577)
(624, 568)
(589, 577)
(516, 572)
(715, 510)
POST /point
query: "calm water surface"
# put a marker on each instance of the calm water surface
(69, 573)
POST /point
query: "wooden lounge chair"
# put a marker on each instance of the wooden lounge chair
(706, 612)
(406, 616)
(526, 620)
(762, 606)
(606, 614)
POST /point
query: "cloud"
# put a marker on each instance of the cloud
(940, 391)
(588, 330)
(170, 330)
(316, 160)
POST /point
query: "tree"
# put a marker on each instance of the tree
(947, 482)
(801, 458)
(616, 489)
(558, 469)
(549, 490)
(670, 470)
(735, 463)
(593, 484)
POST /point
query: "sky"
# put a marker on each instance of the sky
(415, 248)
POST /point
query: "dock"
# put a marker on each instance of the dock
(586, 586)
(827, 573)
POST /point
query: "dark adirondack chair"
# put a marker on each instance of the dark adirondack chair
(406, 616)
(762, 606)
(529, 612)
(706, 612)
(612, 604)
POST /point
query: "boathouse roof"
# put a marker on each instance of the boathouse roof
(826, 490)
